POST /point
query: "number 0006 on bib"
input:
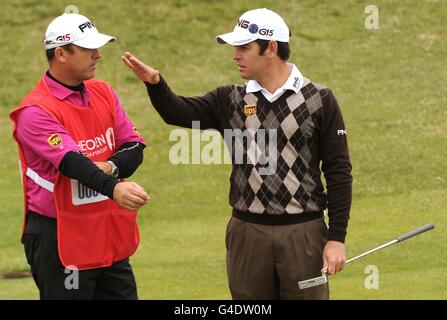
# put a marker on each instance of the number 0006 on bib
(83, 195)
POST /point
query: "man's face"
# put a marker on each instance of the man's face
(250, 63)
(81, 63)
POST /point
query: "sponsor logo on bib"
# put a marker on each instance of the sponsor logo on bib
(95, 146)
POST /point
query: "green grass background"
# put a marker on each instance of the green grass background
(389, 82)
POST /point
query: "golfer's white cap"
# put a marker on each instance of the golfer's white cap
(257, 24)
(74, 28)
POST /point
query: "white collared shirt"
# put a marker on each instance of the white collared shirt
(294, 82)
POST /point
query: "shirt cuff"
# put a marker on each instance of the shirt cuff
(158, 88)
(336, 234)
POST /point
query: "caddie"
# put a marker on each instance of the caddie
(76, 144)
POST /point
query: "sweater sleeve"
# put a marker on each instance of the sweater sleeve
(181, 111)
(336, 167)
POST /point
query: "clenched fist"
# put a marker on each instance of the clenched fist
(130, 195)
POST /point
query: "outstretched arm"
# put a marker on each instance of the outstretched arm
(174, 109)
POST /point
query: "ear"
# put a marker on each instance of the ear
(272, 49)
(60, 54)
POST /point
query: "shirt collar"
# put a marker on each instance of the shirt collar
(294, 82)
(58, 90)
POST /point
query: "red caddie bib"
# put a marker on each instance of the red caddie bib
(93, 231)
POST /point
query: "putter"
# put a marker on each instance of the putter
(323, 278)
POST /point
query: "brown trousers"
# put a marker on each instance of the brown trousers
(266, 262)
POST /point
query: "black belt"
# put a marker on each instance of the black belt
(281, 219)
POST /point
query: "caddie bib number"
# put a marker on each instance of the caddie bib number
(83, 195)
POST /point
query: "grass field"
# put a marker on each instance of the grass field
(389, 82)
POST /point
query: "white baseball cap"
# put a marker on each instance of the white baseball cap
(74, 28)
(257, 24)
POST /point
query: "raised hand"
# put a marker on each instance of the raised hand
(141, 70)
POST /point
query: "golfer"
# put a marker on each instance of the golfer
(277, 235)
(75, 144)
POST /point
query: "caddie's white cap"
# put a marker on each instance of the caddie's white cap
(74, 28)
(257, 24)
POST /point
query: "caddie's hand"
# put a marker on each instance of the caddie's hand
(130, 195)
(334, 257)
(141, 70)
(104, 166)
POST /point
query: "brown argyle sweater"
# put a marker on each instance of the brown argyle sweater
(307, 130)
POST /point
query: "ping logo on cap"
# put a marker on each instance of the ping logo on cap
(55, 140)
(254, 28)
(243, 23)
(85, 25)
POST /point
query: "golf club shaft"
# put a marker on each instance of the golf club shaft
(372, 250)
(323, 278)
(398, 239)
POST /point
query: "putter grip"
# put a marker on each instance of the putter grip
(416, 232)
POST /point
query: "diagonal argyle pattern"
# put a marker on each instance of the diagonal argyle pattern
(295, 185)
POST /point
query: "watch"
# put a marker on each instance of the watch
(115, 171)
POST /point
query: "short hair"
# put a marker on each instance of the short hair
(283, 48)
(50, 52)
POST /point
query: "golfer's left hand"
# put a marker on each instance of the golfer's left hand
(334, 257)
